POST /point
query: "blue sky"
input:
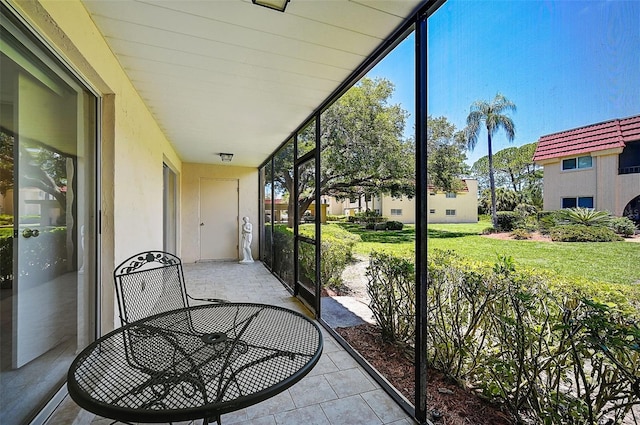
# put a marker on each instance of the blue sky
(564, 64)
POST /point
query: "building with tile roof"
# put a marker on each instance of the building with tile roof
(596, 166)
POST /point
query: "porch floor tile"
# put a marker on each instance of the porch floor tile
(337, 391)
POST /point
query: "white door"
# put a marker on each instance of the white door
(218, 219)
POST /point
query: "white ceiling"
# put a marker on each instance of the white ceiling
(231, 76)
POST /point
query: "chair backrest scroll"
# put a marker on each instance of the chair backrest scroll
(149, 283)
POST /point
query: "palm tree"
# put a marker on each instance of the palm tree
(492, 114)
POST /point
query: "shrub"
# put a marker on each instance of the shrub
(391, 286)
(532, 342)
(548, 220)
(489, 231)
(509, 220)
(282, 254)
(369, 217)
(525, 209)
(550, 350)
(585, 216)
(340, 218)
(6, 259)
(582, 233)
(336, 251)
(622, 226)
(380, 226)
(394, 225)
(521, 234)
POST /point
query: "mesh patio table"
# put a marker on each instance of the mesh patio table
(194, 363)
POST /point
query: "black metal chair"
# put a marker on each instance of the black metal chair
(149, 283)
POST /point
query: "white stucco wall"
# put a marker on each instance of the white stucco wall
(190, 203)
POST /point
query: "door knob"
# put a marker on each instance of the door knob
(201, 224)
(28, 233)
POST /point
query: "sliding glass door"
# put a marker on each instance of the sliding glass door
(47, 234)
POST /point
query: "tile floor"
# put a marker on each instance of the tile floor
(336, 392)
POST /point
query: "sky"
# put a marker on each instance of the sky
(565, 64)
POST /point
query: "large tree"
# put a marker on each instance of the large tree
(492, 116)
(6, 162)
(445, 155)
(41, 168)
(513, 167)
(362, 149)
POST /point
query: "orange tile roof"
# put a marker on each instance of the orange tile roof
(592, 138)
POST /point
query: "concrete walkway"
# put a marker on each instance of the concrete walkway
(336, 392)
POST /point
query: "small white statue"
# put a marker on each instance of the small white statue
(246, 241)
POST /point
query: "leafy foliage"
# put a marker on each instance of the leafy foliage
(583, 233)
(585, 216)
(493, 117)
(6, 258)
(362, 149)
(282, 264)
(445, 155)
(514, 169)
(394, 225)
(336, 250)
(368, 217)
(391, 286)
(508, 220)
(622, 226)
(6, 162)
(550, 350)
(520, 234)
(506, 200)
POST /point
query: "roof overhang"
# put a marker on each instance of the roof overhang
(231, 76)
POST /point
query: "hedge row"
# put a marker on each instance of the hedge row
(549, 350)
(336, 251)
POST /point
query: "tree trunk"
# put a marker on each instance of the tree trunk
(492, 183)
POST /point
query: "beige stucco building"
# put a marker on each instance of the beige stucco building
(597, 166)
(444, 207)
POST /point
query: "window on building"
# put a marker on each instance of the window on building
(579, 162)
(451, 194)
(396, 211)
(432, 211)
(450, 212)
(580, 201)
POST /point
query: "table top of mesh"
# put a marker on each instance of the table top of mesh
(195, 363)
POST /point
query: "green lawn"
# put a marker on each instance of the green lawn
(614, 262)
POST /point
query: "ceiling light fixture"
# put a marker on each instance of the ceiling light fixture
(226, 157)
(279, 5)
